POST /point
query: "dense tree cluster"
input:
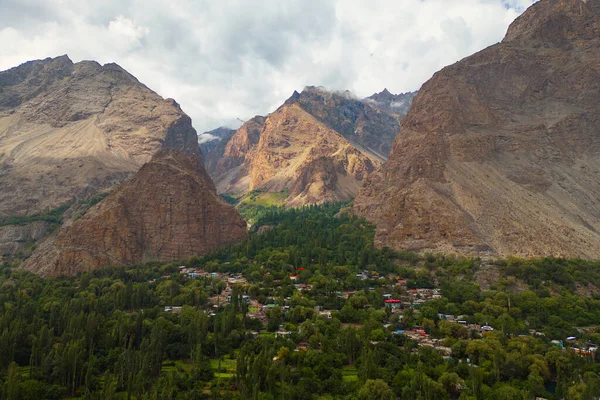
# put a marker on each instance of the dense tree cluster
(113, 333)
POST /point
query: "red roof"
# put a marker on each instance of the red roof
(401, 280)
(393, 301)
(301, 269)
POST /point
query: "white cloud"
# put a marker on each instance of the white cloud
(229, 59)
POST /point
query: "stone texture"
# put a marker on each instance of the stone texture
(15, 238)
(239, 146)
(500, 152)
(298, 153)
(68, 131)
(214, 149)
(369, 128)
(396, 103)
(168, 211)
(319, 146)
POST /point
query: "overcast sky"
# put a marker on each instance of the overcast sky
(229, 59)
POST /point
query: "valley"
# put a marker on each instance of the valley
(439, 244)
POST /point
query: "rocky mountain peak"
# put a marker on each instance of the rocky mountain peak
(168, 211)
(396, 103)
(557, 23)
(316, 147)
(69, 130)
(500, 154)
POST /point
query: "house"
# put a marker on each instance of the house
(393, 303)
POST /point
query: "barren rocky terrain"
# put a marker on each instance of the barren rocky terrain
(317, 147)
(500, 152)
(168, 211)
(68, 131)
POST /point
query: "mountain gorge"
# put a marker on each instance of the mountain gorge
(500, 152)
(317, 147)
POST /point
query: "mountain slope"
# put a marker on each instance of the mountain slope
(213, 149)
(70, 130)
(369, 128)
(231, 171)
(500, 152)
(168, 211)
(396, 103)
(317, 147)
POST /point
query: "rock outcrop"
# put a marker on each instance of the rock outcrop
(214, 149)
(396, 103)
(168, 211)
(500, 152)
(238, 147)
(317, 147)
(68, 131)
(16, 239)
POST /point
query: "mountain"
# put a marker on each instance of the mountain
(214, 148)
(70, 130)
(500, 152)
(168, 211)
(317, 147)
(396, 103)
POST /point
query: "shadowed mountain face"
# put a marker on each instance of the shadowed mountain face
(500, 152)
(214, 149)
(71, 130)
(396, 103)
(317, 147)
(168, 211)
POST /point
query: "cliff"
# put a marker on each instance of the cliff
(168, 211)
(500, 152)
(69, 131)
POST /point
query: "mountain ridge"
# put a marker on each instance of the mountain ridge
(75, 129)
(168, 211)
(498, 154)
(265, 153)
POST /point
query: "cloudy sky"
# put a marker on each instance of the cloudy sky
(224, 60)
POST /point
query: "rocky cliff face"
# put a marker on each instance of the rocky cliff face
(169, 211)
(233, 166)
(20, 238)
(214, 149)
(70, 130)
(367, 127)
(500, 152)
(298, 153)
(396, 103)
(318, 146)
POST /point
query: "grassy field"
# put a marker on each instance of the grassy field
(227, 367)
(264, 199)
(176, 366)
(349, 374)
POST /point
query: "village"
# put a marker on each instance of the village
(403, 299)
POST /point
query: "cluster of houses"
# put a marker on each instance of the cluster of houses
(402, 299)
